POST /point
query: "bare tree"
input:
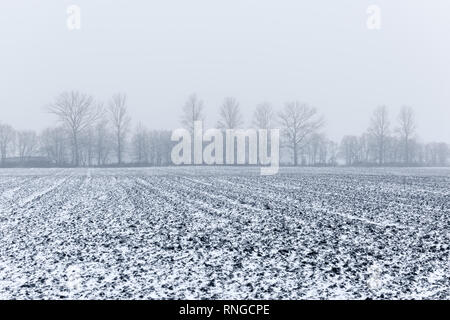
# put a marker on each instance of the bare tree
(192, 111)
(333, 150)
(120, 121)
(230, 114)
(436, 154)
(299, 121)
(263, 116)
(27, 143)
(443, 153)
(76, 111)
(151, 147)
(162, 146)
(379, 129)
(365, 147)
(7, 137)
(406, 128)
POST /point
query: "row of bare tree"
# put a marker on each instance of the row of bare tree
(91, 134)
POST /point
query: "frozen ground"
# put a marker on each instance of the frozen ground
(224, 233)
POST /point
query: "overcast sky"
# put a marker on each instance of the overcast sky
(159, 52)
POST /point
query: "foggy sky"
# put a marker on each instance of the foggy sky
(159, 52)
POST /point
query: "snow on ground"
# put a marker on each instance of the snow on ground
(228, 233)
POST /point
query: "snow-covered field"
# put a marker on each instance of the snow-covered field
(224, 233)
